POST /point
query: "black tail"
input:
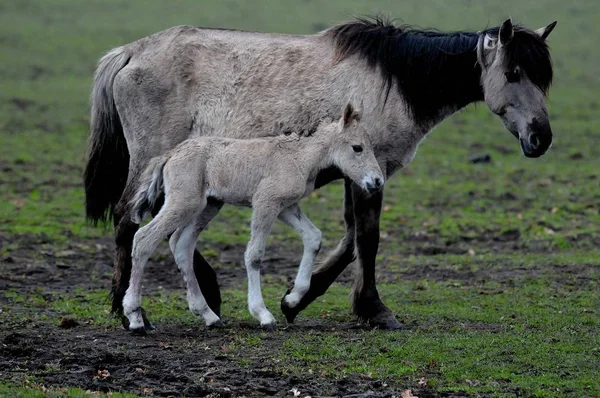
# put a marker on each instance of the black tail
(107, 166)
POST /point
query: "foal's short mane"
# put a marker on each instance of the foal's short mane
(435, 69)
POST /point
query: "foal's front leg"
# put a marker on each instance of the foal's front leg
(311, 238)
(263, 217)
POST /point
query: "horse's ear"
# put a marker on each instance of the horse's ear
(349, 114)
(507, 32)
(546, 30)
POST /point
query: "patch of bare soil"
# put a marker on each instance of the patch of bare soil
(185, 360)
(175, 362)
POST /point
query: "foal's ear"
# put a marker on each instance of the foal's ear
(349, 114)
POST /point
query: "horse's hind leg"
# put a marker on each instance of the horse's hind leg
(183, 244)
(311, 238)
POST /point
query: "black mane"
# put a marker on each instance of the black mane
(435, 70)
(530, 52)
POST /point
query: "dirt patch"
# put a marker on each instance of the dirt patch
(176, 362)
(188, 360)
(32, 262)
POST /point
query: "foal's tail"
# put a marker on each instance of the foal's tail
(150, 188)
(108, 158)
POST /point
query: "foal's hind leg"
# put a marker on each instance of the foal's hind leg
(204, 273)
(311, 238)
(146, 240)
(154, 119)
(125, 230)
(263, 218)
(183, 244)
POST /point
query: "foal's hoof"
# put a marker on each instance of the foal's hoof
(216, 325)
(125, 322)
(269, 327)
(148, 326)
(139, 331)
(289, 312)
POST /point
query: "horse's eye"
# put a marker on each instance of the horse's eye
(513, 76)
(357, 148)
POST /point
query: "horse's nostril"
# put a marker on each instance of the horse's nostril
(534, 140)
(378, 182)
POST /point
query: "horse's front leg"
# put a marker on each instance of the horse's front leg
(337, 261)
(366, 303)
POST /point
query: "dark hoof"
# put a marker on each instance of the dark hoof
(216, 325)
(125, 322)
(148, 326)
(139, 331)
(290, 327)
(385, 323)
(290, 312)
(269, 327)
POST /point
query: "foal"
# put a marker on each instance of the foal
(269, 174)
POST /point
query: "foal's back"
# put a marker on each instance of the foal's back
(233, 170)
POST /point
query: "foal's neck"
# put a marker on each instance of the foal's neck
(313, 153)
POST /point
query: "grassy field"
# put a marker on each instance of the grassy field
(493, 268)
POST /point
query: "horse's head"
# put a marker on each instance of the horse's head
(516, 75)
(352, 151)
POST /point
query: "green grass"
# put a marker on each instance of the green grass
(533, 332)
(33, 390)
(535, 335)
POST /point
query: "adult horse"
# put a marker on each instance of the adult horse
(150, 95)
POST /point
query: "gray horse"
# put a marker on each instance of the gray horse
(154, 93)
(269, 174)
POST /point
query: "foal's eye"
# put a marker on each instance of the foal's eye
(513, 76)
(357, 148)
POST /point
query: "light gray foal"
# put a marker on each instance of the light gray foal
(270, 174)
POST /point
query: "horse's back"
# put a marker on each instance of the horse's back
(219, 80)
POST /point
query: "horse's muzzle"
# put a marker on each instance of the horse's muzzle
(539, 140)
(374, 185)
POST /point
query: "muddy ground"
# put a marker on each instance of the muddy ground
(180, 360)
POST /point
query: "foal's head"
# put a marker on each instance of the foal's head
(516, 75)
(352, 151)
